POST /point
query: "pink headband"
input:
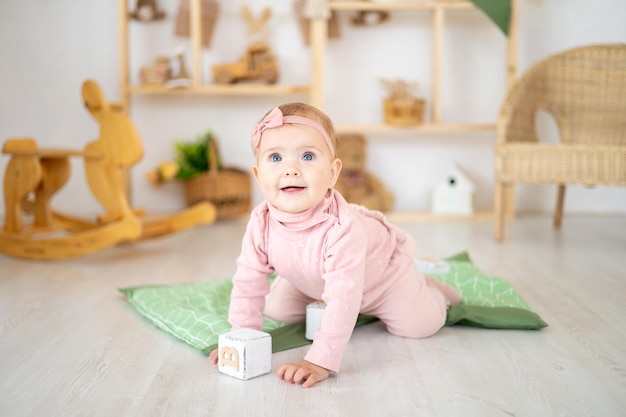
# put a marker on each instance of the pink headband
(275, 118)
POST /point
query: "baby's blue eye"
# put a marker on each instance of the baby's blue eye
(308, 156)
(275, 157)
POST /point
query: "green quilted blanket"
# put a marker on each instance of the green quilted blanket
(196, 313)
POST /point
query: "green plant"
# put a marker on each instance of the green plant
(193, 157)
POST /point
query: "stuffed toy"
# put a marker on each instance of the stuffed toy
(147, 11)
(355, 183)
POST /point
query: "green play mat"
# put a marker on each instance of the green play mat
(196, 313)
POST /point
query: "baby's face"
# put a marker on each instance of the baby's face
(295, 168)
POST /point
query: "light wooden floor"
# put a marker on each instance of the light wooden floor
(71, 345)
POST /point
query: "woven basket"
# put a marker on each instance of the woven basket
(157, 73)
(228, 189)
(404, 112)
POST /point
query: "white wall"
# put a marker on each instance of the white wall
(47, 49)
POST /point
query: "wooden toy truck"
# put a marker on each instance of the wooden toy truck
(257, 63)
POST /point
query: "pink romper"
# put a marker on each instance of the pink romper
(347, 256)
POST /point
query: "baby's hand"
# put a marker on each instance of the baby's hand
(302, 372)
(213, 356)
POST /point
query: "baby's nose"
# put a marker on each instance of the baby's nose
(292, 169)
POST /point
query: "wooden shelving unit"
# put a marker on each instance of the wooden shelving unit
(319, 39)
(234, 90)
(197, 87)
(318, 49)
(438, 9)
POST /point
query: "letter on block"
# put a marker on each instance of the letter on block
(245, 353)
(314, 313)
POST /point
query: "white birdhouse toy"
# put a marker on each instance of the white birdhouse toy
(453, 194)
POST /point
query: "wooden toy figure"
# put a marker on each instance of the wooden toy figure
(258, 61)
(256, 26)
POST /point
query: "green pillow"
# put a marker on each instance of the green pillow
(197, 313)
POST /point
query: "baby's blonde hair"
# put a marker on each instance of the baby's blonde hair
(310, 112)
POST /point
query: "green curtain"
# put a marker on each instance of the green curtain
(497, 10)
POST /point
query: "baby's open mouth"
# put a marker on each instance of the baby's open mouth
(291, 188)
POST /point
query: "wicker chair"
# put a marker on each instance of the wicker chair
(584, 89)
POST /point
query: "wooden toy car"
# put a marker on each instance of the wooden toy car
(258, 62)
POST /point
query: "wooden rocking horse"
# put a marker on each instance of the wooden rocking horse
(34, 175)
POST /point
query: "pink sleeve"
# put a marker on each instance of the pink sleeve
(344, 267)
(250, 282)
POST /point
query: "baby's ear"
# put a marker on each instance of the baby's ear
(335, 170)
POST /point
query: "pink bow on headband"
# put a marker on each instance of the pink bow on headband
(275, 119)
(271, 120)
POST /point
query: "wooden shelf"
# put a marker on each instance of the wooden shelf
(423, 128)
(373, 5)
(217, 89)
(416, 216)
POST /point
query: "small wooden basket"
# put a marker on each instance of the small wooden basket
(157, 73)
(228, 189)
(404, 111)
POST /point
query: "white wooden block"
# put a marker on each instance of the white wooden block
(245, 353)
(314, 313)
(432, 266)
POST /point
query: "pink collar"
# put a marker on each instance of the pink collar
(275, 118)
(307, 219)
